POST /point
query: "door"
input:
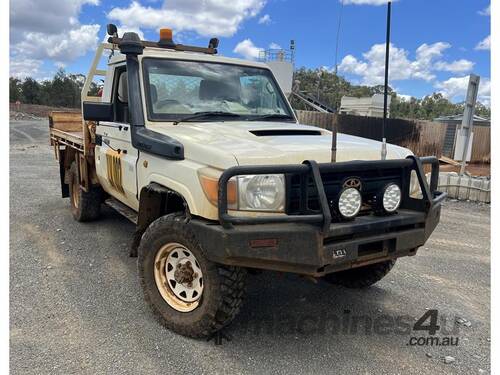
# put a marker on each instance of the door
(116, 159)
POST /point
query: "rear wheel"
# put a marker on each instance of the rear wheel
(189, 294)
(85, 206)
(361, 277)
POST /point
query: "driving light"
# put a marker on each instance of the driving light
(261, 192)
(349, 202)
(392, 198)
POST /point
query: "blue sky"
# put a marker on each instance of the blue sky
(435, 45)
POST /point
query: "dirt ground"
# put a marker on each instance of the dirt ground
(76, 306)
(34, 111)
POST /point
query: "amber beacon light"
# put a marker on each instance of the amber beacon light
(166, 37)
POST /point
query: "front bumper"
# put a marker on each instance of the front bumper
(311, 243)
(302, 248)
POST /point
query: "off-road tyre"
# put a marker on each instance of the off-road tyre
(85, 206)
(223, 290)
(361, 277)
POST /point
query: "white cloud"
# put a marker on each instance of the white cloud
(484, 44)
(59, 47)
(427, 52)
(404, 97)
(206, 18)
(486, 11)
(274, 46)
(366, 2)
(457, 66)
(47, 16)
(456, 88)
(48, 29)
(265, 19)
(247, 49)
(428, 59)
(25, 68)
(125, 29)
(350, 64)
(372, 68)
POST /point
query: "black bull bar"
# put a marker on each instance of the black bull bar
(323, 217)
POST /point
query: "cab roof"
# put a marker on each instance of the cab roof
(192, 56)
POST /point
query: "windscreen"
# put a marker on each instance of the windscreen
(178, 88)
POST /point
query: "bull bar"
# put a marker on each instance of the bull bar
(430, 195)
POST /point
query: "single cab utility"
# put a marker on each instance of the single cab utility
(206, 156)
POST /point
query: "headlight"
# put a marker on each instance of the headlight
(246, 192)
(349, 202)
(261, 192)
(392, 198)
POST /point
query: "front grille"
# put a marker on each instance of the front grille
(301, 189)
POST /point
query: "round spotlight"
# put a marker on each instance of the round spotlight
(349, 202)
(392, 198)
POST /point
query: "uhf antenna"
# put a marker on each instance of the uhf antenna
(338, 35)
(386, 79)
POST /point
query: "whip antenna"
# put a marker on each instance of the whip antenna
(386, 78)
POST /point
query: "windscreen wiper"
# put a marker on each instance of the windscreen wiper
(281, 116)
(206, 114)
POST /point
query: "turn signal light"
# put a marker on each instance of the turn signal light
(211, 188)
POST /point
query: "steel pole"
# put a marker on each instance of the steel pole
(468, 118)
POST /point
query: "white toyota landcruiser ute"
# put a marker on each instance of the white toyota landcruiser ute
(206, 156)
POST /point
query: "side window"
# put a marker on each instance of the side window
(120, 96)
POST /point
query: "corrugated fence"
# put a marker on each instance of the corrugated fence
(422, 137)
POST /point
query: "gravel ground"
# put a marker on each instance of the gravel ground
(76, 304)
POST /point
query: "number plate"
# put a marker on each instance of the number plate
(339, 253)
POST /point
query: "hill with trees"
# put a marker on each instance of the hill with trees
(329, 89)
(64, 90)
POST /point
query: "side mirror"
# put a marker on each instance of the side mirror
(97, 111)
(214, 43)
(111, 29)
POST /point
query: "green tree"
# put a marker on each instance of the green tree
(482, 110)
(329, 89)
(30, 90)
(15, 92)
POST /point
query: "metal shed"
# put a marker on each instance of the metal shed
(453, 123)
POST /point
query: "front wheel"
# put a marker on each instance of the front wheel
(189, 294)
(361, 277)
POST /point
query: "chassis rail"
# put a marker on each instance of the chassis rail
(430, 195)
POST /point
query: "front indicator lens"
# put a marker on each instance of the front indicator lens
(349, 202)
(392, 198)
(415, 190)
(210, 186)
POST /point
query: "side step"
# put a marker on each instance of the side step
(122, 209)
